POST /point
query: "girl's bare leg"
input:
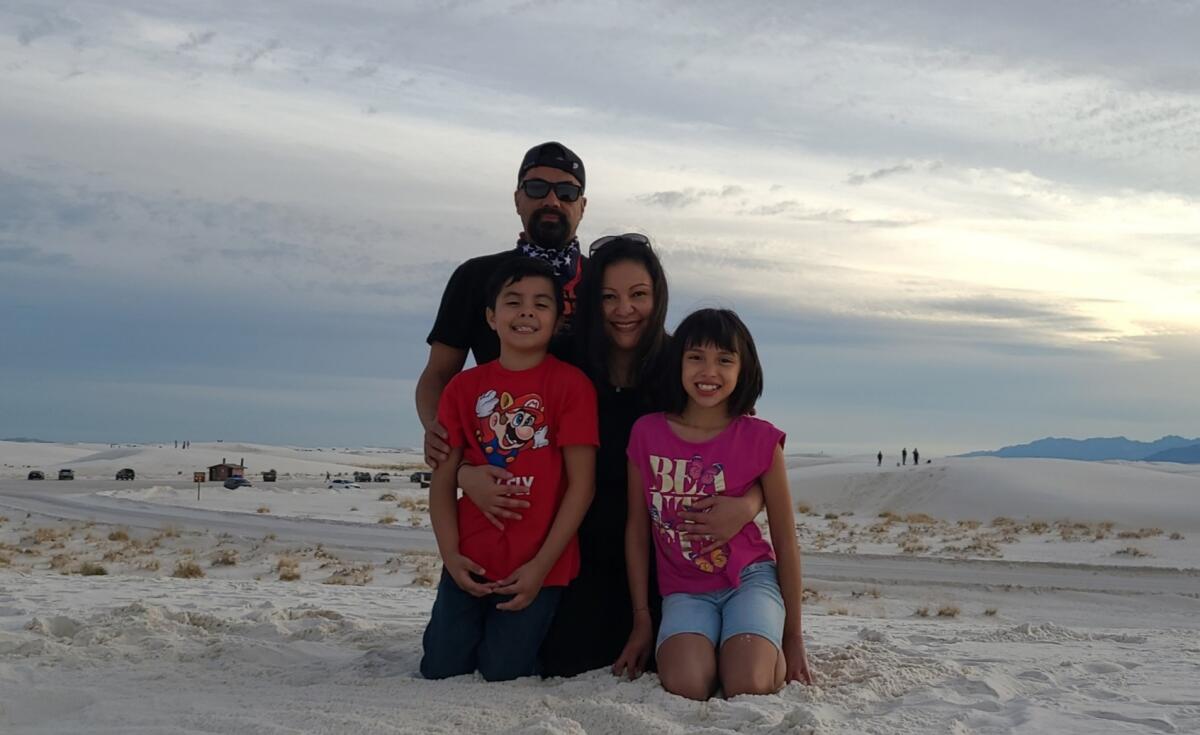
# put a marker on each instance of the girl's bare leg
(687, 666)
(751, 664)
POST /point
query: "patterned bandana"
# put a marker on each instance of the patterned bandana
(563, 260)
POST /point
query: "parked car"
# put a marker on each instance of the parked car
(66, 474)
(382, 477)
(37, 475)
(234, 483)
(340, 484)
(125, 474)
(269, 476)
(421, 477)
(362, 476)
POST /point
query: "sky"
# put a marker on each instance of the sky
(949, 225)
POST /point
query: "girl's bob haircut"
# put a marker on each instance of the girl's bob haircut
(720, 328)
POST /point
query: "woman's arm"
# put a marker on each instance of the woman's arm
(480, 484)
(721, 517)
(632, 660)
(782, 522)
(526, 581)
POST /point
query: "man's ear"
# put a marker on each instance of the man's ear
(516, 204)
(490, 315)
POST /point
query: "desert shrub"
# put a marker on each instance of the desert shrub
(387, 519)
(990, 612)
(149, 565)
(1002, 521)
(913, 546)
(1038, 527)
(923, 519)
(187, 569)
(831, 516)
(948, 611)
(60, 561)
(837, 611)
(889, 515)
(803, 508)
(357, 575)
(388, 497)
(970, 525)
(118, 534)
(288, 568)
(5, 560)
(1132, 551)
(3, 519)
(92, 569)
(42, 535)
(1176, 536)
(262, 509)
(169, 531)
(414, 504)
(921, 612)
(225, 558)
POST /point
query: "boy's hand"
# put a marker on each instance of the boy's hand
(524, 584)
(480, 484)
(797, 659)
(632, 661)
(460, 568)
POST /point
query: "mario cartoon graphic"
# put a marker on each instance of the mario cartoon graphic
(507, 425)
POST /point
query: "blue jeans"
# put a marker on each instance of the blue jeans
(466, 633)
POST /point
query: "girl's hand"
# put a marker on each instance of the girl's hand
(720, 517)
(632, 661)
(523, 584)
(479, 484)
(797, 659)
(460, 569)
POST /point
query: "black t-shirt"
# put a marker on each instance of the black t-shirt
(461, 319)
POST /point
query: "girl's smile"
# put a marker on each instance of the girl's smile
(709, 374)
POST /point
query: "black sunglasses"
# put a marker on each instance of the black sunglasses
(540, 189)
(610, 239)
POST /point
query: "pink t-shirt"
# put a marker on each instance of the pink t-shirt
(676, 472)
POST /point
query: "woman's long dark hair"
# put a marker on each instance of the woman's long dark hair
(594, 344)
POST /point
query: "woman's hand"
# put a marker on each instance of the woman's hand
(495, 501)
(796, 658)
(721, 517)
(632, 661)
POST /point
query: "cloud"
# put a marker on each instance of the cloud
(860, 179)
(679, 199)
(29, 255)
(196, 40)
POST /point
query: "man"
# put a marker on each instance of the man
(549, 200)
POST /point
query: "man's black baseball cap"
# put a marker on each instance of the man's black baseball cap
(554, 155)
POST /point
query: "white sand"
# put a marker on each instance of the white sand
(1094, 642)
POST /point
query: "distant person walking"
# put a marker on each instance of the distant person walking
(879, 459)
(904, 456)
(916, 456)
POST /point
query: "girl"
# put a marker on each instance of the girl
(730, 612)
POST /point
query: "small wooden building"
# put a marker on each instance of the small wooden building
(225, 470)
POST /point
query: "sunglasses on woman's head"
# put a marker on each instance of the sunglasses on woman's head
(610, 239)
(540, 189)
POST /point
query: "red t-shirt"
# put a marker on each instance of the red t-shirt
(519, 420)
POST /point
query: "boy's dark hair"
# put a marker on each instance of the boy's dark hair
(594, 344)
(512, 270)
(722, 329)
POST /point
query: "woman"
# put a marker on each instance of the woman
(620, 326)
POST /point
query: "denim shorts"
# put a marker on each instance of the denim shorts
(755, 607)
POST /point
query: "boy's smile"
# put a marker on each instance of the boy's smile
(525, 313)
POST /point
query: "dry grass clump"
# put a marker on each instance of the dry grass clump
(414, 504)
(169, 531)
(1141, 533)
(288, 568)
(837, 611)
(91, 569)
(1038, 527)
(920, 519)
(262, 509)
(969, 524)
(913, 546)
(1002, 521)
(187, 569)
(808, 594)
(3, 519)
(44, 535)
(61, 561)
(225, 558)
(355, 576)
(149, 565)
(889, 515)
(1132, 551)
(388, 497)
(872, 593)
(983, 547)
(803, 508)
(118, 534)
(921, 612)
(991, 612)
(5, 560)
(831, 516)
(948, 611)
(1176, 536)
(387, 519)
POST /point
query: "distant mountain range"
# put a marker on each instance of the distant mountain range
(25, 440)
(1168, 449)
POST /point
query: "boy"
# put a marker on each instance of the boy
(535, 416)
